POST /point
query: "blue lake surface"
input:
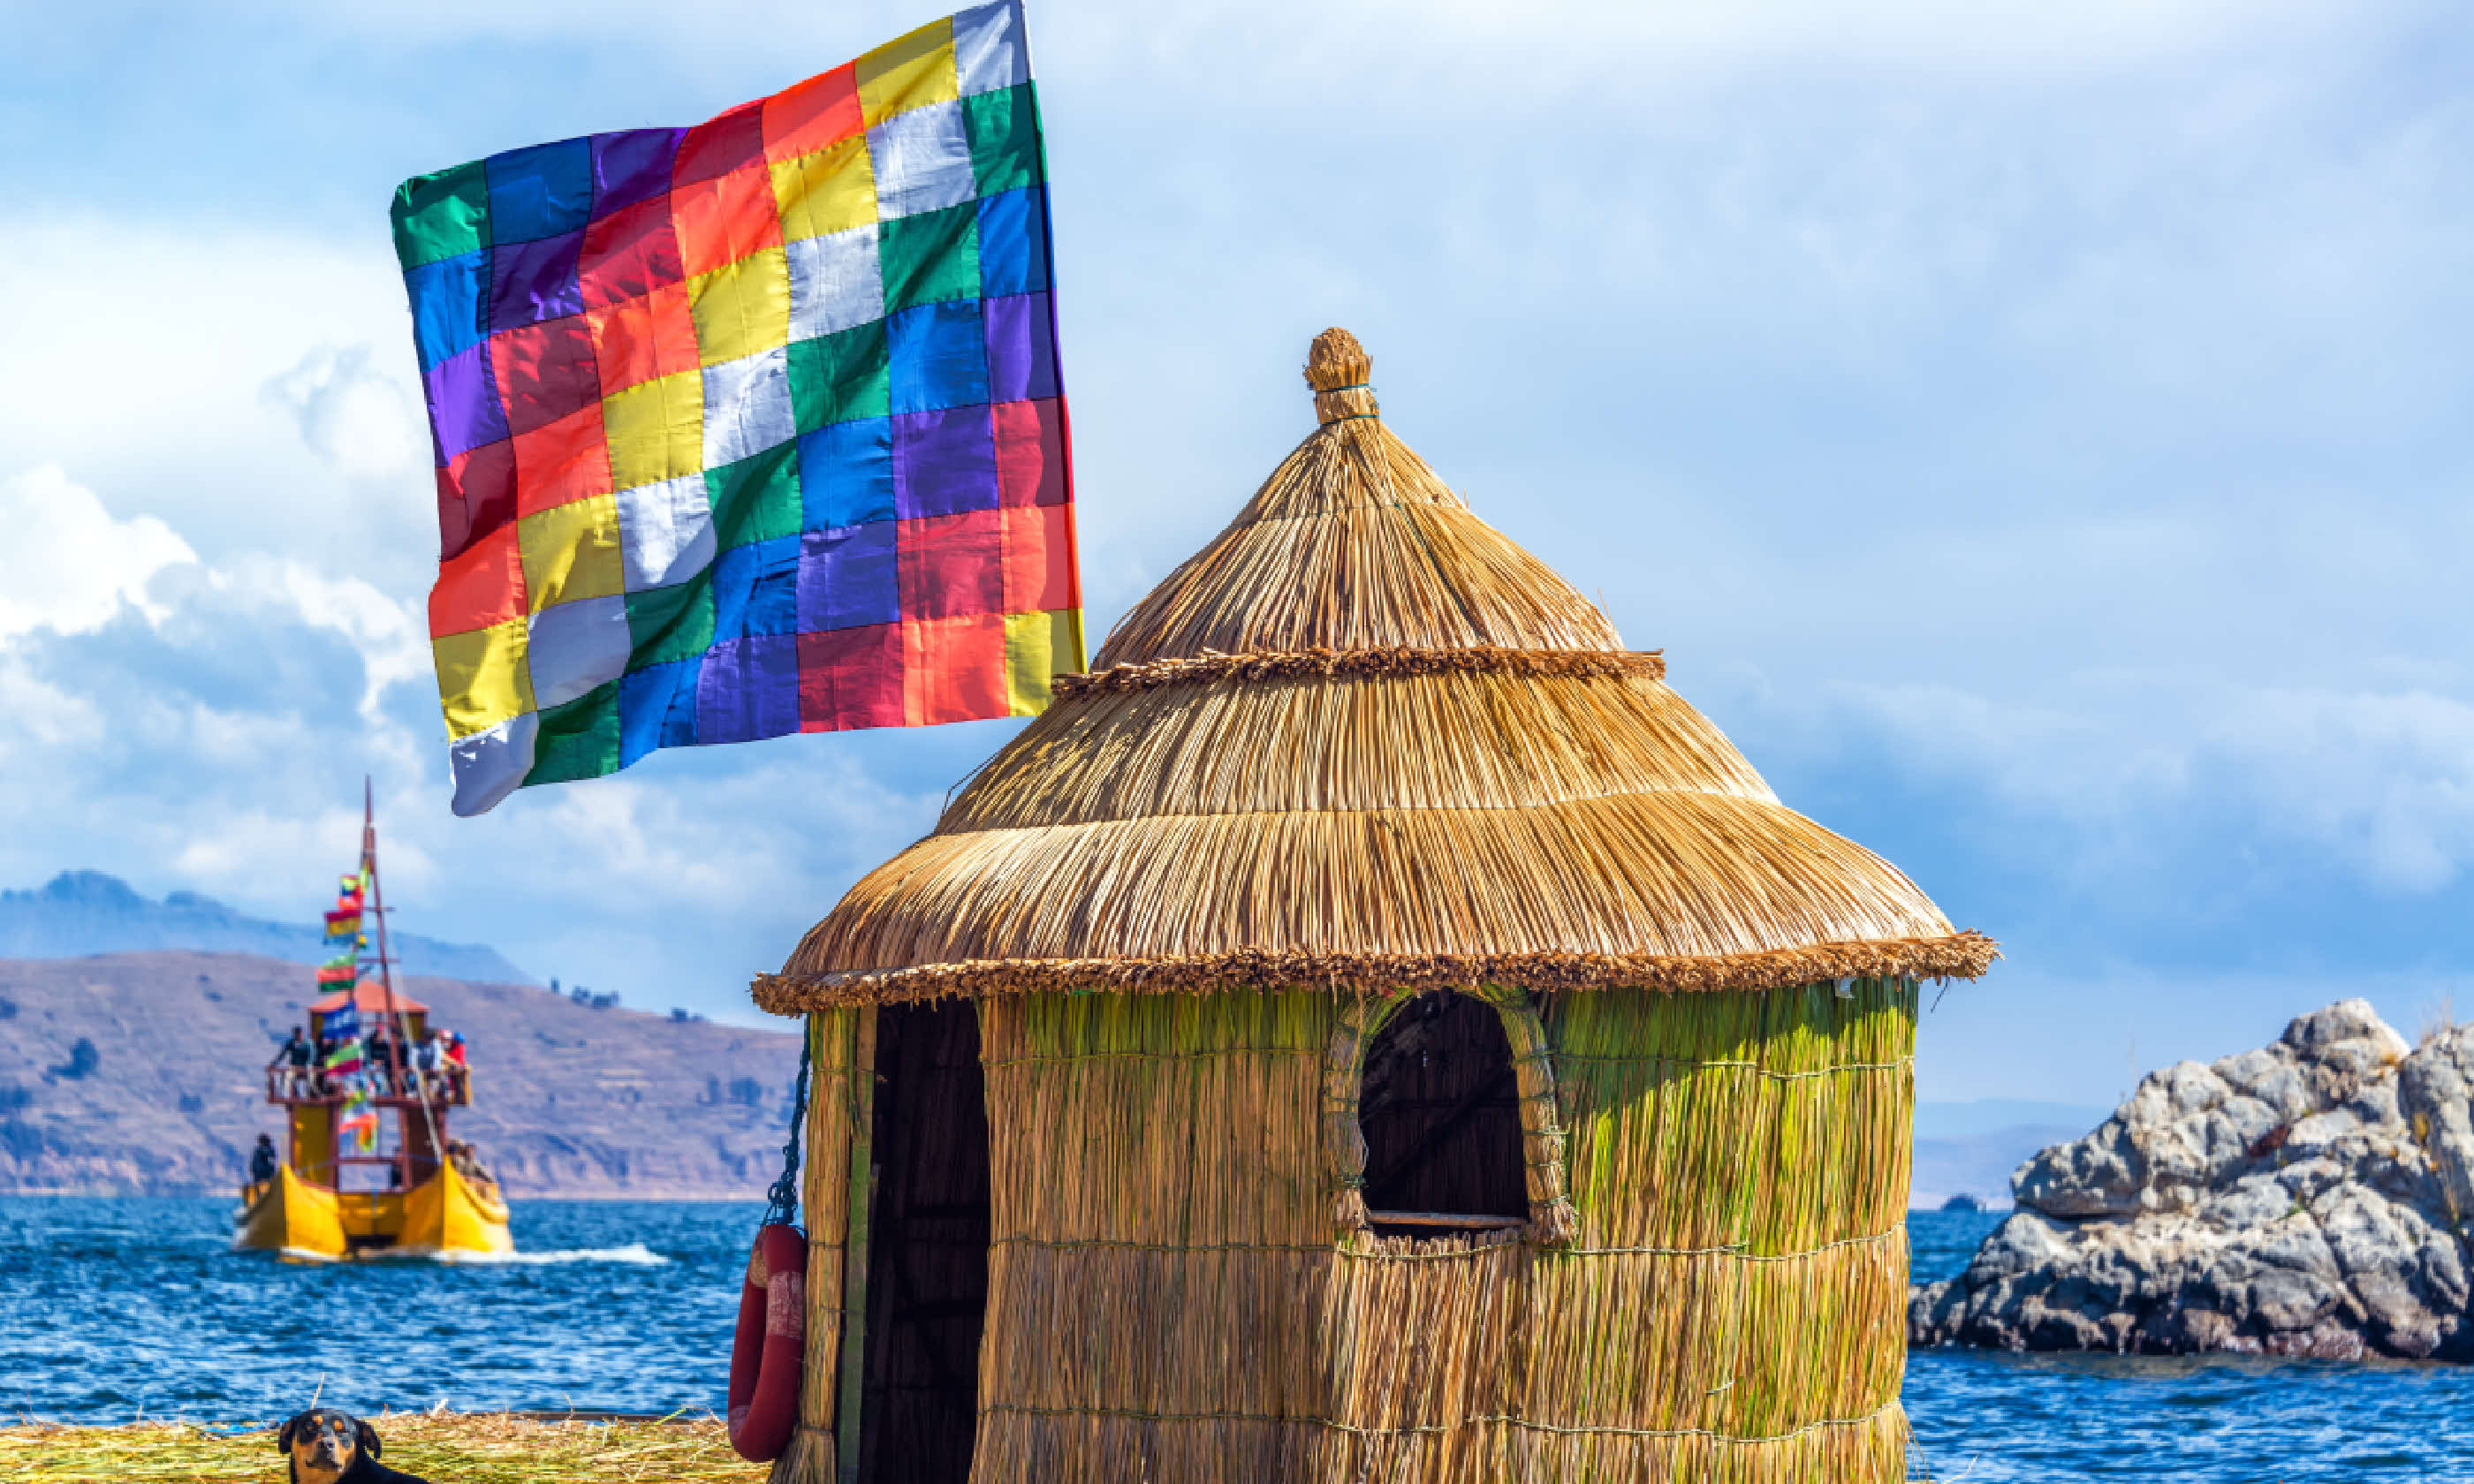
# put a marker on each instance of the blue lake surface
(115, 1309)
(1980, 1416)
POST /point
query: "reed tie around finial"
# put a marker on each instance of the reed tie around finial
(1340, 373)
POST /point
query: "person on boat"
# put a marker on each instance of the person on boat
(262, 1163)
(293, 1056)
(455, 1062)
(426, 1063)
(382, 1058)
(467, 1163)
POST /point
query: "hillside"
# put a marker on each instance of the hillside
(569, 1101)
(1971, 1148)
(82, 912)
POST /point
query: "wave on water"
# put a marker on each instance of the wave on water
(634, 1254)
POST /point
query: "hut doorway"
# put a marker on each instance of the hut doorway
(927, 1247)
(1440, 1107)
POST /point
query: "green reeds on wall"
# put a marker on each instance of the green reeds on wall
(1170, 1283)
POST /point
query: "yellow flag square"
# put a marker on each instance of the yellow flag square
(911, 73)
(1038, 647)
(571, 551)
(831, 190)
(742, 308)
(482, 677)
(655, 430)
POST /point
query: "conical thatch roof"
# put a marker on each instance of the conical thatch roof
(1363, 738)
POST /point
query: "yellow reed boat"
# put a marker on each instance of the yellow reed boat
(353, 1182)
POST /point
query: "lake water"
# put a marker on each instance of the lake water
(115, 1309)
(1986, 1417)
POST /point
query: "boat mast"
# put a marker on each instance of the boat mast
(386, 970)
(394, 1019)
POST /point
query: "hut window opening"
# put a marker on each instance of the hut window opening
(928, 1246)
(1440, 1107)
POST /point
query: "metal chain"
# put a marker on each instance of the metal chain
(785, 1194)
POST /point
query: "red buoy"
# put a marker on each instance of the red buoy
(771, 1345)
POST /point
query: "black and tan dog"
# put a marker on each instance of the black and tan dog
(328, 1446)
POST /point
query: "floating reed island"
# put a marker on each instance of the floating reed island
(451, 1448)
(1368, 1028)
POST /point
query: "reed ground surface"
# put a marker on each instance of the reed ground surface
(462, 1447)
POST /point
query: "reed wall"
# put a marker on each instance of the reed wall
(836, 1109)
(1171, 1297)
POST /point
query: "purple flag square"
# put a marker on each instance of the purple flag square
(749, 690)
(849, 578)
(944, 462)
(464, 411)
(532, 281)
(632, 166)
(1022, 349)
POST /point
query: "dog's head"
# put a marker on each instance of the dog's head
(323, 1443)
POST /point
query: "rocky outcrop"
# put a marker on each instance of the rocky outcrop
(2303, 1199)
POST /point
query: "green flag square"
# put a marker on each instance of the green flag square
(1003, 129)
(442, 215)
(669, 623)
(756, 498)
(840, 377)
(929, 259)
(579, 739)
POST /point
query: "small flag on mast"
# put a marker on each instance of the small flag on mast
(749, 428)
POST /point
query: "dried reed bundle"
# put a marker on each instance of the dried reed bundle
(469, 1448)
(1964, 955)
(1354, 544)
(1447, 740)
(1332, 663)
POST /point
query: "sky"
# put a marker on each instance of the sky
(2036, 435)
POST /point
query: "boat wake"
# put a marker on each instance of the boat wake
(633, 1254)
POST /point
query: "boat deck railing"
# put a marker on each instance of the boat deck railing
(295, 1086)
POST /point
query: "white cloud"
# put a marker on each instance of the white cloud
(226, 419)
(67, 563)
(362, 420)
(2141, 770)
(1527, 49)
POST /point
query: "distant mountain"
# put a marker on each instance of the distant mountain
(1971, 1148)
(141, 1074)
(1993, 1115)
(83, 912)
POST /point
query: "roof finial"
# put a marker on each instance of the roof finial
(1338, 370)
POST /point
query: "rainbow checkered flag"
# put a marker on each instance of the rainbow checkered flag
(748, 428)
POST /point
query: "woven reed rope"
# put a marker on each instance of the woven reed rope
(1340, 663)
(1961, 955)
(1362, 741)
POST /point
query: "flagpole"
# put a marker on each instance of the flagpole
(386, 976)
(386, 981)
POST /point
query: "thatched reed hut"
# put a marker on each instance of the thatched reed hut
(1369, 1028)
